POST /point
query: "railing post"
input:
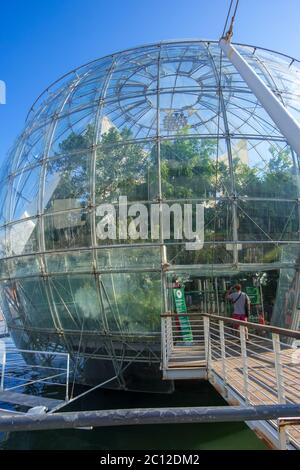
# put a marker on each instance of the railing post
(280, 388)
(163, 343)
(223, 352)
(207, 344)
(170, 339)
(67, 379)
(244, 362)
(3, 370)
(282, 435)
(278, 369)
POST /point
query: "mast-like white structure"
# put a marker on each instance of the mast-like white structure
(285, 122)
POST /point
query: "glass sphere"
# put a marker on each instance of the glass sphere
(171, 122)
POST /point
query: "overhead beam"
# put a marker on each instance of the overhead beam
(286, 123)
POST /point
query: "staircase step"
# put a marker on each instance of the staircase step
(187, 365)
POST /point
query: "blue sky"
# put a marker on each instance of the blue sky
(41, 40)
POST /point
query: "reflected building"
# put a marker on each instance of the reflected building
(163, 123)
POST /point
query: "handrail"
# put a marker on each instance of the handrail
(26, 378)
(272, 329)
(35, 351)
(235, 363)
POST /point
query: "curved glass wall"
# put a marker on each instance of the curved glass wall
(166, 123)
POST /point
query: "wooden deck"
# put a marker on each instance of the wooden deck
(262, 385)
(187, 357)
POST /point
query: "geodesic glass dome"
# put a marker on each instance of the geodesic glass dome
(169, 122)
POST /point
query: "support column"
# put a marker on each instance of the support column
(285, 122)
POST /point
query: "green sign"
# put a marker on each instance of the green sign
(254, 295)
(180, 307)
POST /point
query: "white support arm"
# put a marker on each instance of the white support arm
(285, 122)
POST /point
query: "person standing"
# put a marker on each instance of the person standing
(240, 302)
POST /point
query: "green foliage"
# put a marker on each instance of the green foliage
(139, 303)
(190, 169)
(122, 168)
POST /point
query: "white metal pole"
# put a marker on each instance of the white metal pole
(3, 370)
(282, 436)
(68, 377)
(244, 363)
(278, 369)
(207, 343)
(223, 351)
(285, 122)
(164, 343)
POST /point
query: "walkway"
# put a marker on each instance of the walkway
(253, 365)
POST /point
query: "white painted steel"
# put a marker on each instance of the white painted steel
(241, 361)
(286, 123)
(278, 368)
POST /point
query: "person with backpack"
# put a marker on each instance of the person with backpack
(240, 302)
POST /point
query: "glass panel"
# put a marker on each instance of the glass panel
(210, 254)
(4, 205)
(264, 169)
(260, 253)
(189, 58)
(187, 84)
(4, 272)
(27, 302)
(134, 73)
(293, 104)
(278, 70)
(127, 223)
(69, 229)
(73, 132)
(69, 262)
(23, 266)
(22, 237)
(230, 78)
(120, 258)
(268, 220)
(67, 182)
(125, 170)
(191, 169)
(247, 117)
(132, 301)
(195, 112)
(24, 194)
(217, 220)
(89, 87)
(134, 116)
(33, 148)
(52, 100)
(286, 308)
(77, 303)
(258, 66)
(3, 242)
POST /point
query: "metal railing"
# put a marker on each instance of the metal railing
(23, 369)
(247, 362)
(182, 340)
